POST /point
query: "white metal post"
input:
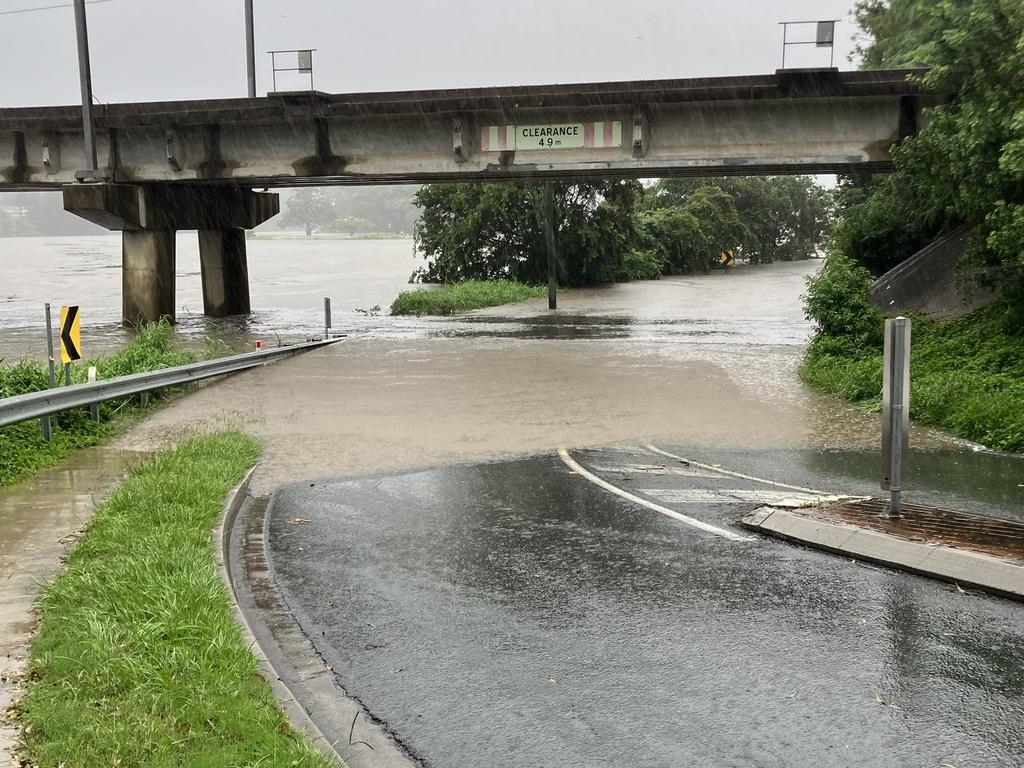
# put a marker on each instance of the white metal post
(895, 409)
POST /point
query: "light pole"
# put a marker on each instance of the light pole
(85, 76)
(250, 49)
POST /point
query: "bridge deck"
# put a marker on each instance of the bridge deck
(793, 121)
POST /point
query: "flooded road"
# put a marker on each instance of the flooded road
(696, 360)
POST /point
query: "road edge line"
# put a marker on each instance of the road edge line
(690, 521)
(740, 475)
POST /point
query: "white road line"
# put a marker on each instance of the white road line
(736, 474)
(700, 525)
(730, 496)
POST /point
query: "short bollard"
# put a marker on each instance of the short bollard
(895, 409)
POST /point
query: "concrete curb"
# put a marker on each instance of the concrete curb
(297, 716)
(303, 684)
(968, 569)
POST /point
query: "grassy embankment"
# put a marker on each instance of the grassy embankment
(967, 376)
(138, 660)
(23, 451)
(460, 297)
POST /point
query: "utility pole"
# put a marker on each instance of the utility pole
(250, 49)
(549, 238)
(85, 76)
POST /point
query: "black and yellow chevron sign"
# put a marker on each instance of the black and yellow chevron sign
(70, 335)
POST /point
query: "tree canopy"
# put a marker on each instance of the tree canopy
(495, 231)
(615, 230)
(967, 164)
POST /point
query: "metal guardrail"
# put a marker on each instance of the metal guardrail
(50, 401)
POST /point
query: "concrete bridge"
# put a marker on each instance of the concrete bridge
(193, 165)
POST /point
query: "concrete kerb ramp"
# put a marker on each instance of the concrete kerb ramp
(956, 566)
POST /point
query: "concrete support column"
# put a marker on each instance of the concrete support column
(147, 275)
(225, 272)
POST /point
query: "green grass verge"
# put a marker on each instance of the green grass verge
(460, 297)
(23, 451)
(967, 376)
(138, 660)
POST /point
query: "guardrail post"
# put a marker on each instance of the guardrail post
(94, 408)
(47, 421)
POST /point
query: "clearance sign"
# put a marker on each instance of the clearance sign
(525, 138)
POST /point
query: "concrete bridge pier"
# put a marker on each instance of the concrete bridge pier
(149, 215)
(225, 272)
(147, 275)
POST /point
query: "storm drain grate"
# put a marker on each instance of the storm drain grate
(986, 535)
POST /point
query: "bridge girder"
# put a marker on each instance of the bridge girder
(794, 121)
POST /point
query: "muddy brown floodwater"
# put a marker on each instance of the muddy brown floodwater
(705, 360)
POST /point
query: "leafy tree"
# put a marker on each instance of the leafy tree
(495, 231)
(309, 208)
(689, 237)
(782, 218)
(895, 34)
(967, 165)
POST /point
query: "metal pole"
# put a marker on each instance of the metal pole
(85, 75)
(549, 237)
(67, 374)
(327, 318)
(250, 49)
(897, 363)
(47, 424)
(785, 29)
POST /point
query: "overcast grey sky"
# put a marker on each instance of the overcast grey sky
(184, 49)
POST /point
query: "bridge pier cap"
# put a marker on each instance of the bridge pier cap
(148, 215)
(131, 207)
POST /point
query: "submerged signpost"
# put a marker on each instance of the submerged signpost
(895, 409)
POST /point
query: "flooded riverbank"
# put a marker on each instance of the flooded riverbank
(288, 280)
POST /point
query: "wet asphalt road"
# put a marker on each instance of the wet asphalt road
(515, 614)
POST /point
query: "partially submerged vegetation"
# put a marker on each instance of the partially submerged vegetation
(460, 297)
(614, 231)
(138, 660)
(23, 451)
(967, 374)
(964, 167)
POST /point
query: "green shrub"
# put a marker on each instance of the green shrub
(838, 300)
(461, 297)
(641, 265)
